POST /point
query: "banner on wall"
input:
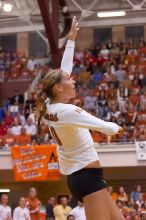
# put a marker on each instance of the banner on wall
(141, 150)
(35, 163)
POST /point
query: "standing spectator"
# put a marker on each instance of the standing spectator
(62, 211)
(21, 212)
(31, 64)
(16, 129)
(31, 128)
(33, 204)
(79, 212)
(50, 206)
(134, 194)
(5, 210)
(105, 52)
(122, 196)
(113, 194)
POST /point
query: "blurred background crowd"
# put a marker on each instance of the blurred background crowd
(132, 205)
(110, 83)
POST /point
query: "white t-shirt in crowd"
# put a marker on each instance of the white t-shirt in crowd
(5, 211)
(21, 214)
(31, 129)
(16, 130)
(79, 213)
(31, 64)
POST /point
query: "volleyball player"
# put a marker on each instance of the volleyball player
(69, 125)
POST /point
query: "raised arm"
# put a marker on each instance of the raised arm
(67, 59)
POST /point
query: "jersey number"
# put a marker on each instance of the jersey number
(54, 135)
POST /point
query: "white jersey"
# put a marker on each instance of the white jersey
(5, 212)
(21, 214)
(69, 125)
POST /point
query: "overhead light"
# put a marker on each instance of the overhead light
(111, 14)
(64, 9)
(4, 190)
(7, 7)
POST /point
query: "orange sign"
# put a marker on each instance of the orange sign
(35, 163)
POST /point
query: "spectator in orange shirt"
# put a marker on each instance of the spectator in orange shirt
(23, 138)
(33, 204)
(113, 194)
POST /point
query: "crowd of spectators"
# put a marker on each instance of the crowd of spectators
(17, 66)
(132, 206)
(110, 84)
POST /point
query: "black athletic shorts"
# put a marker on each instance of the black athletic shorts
(85, 182)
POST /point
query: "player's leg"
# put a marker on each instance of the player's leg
(99, 206)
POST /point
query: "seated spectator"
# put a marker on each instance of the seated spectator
(79, 212)
(31, 128)
(3, 128)
(33, 204)
(9, 138)
(90, 102)
(113, 112)
(5, 210)
(107, 77)
(143, 98)
(16, 128)
(115, 52)
(8, 119)
(122, 195)
(49, 209)
(122, 96)
(23, 138)
(63, 210)
(21, 212)
(134, 98)
(20, 117)
(102, 104)
(120, 73)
